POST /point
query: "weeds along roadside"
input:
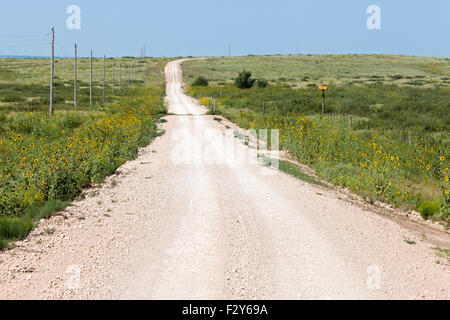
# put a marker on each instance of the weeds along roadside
(45, 161)
(397, 154)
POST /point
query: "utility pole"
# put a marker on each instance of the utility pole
(112, 76)
(90, 85)
(125, 78)
(52, 71)
(104, 78)
(229, 50)
(129, 76)
(75, 78)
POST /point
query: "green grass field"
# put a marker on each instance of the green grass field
(24, 83)
(334, 70)
(45, 161)
(385, 133)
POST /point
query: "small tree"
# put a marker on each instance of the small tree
(200, 82)
(244, 80)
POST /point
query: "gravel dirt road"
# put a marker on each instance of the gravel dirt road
(187, 221)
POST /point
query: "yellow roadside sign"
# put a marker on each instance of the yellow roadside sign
(323, 89)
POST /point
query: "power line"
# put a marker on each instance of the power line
(25, 36)
(25, 45)
(60, 48)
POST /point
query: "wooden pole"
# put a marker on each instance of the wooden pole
(113, 76)
(104, 78)
(75, 79)
(323, 103)
(90, 84)
(51, 111)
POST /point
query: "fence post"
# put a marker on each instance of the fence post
(52, 71)
(323, 103)
(75, 78)
(90, 85)
(113, 76)
(104, 78)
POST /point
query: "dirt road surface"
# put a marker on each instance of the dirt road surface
(186, 220)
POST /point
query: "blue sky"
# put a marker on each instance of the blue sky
(207, 27)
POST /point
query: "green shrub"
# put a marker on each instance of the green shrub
(12, 99)
(13, 228)
(427, 209)
(244, 80)
(45, 211)
(200, 82)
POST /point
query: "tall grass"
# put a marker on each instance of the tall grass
(384, 142)
(51, 158)
(46, 160)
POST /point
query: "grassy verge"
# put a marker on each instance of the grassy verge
(58, 156)
(17, 228)
(293, 170)
(383, 141)
(45, 161)
(301, 71)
